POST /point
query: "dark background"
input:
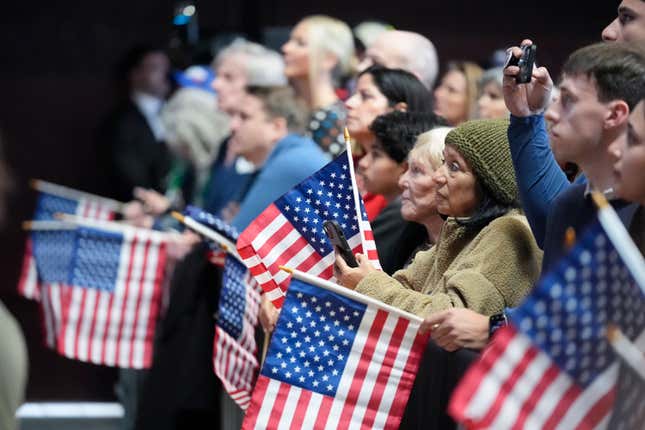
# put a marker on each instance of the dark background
(55, 87)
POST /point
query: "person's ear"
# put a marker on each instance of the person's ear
(329, 61)
(617, 114)
(279, 127)
(402, 106)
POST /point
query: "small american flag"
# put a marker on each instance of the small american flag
(234, 350)
(290, 231)
(103, 289)
(554, 368)
(216, 255)
(336, 362)
(46, 206)
(234, 347)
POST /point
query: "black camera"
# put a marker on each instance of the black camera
(525, 62)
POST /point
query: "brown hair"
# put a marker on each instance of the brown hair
(617, 69)
(281, 102)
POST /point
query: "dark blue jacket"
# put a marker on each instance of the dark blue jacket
(573, 209)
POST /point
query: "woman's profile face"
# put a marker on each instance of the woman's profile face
(457, 191)
(364, 106)
(296, 52)
(451, 98)
(418, 197)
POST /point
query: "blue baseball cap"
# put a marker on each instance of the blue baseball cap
(201, 77)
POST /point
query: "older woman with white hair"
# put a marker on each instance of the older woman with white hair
(317, 56)
(418, 201)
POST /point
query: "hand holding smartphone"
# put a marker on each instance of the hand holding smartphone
(525, 62)
(337, 239)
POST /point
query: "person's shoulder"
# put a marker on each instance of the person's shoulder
(296, 151)
(513, 222)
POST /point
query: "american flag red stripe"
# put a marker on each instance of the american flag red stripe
(114, 329)
(515, 385)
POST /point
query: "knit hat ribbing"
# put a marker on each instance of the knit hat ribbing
(484, 144)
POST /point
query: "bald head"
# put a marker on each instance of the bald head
(405, 50)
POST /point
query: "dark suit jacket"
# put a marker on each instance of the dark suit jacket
(573, 209)
(133, 157)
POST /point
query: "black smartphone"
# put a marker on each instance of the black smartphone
(525, 62)
(337, 239)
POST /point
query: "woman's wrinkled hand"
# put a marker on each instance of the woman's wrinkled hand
(350, 276)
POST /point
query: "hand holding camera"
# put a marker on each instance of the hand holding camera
(527, 89)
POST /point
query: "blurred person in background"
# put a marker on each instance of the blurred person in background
(14, 361)
(195, 130)
(412, 52)
(490, 103)
(456, 96)
(133, 135)
(318, 56)
(365, 33)
(380, 90)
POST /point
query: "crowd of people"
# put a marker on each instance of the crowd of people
(465, 180)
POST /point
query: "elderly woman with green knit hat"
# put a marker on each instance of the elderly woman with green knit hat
(486, 258)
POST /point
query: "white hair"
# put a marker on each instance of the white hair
(264, 67)
(191, 119)
(429, 147)
(422, 59)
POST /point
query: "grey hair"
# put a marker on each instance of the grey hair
(264, 67)
(496, 74)
(423, 60)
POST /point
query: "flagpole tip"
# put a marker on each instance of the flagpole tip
(569, 238)
(613, 333)
(346, 133)
(33, 183)
(176, 215)
(286, 269)
(26, 225)
(599, 199)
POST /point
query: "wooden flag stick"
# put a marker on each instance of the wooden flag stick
(626, 350)
(265, 347)
(47, 225)
(73, 194)
(209, 233)
(328, 285)
(357, 198)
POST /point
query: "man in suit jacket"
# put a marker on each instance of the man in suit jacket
(133, 135)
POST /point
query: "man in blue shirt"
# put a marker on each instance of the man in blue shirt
(264, 130)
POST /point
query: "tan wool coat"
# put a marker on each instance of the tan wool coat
(485, 271)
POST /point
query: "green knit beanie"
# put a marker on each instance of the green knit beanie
(484, 144)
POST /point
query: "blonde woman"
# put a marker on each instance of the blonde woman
(317, 56)
(456, 95)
